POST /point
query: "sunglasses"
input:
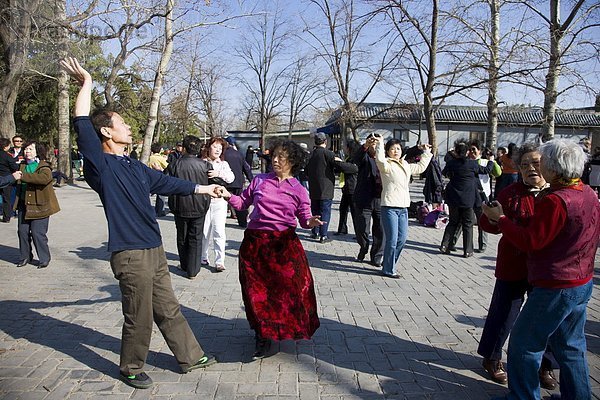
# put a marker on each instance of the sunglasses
(17, 141)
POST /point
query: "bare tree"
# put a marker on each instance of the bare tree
(206, 87)
(305, 88)
(165, 56)
(64, 134)
(485, 49)
(348, 53)
(261, 53)
(576, 24)
(420, 37)
(16, 18)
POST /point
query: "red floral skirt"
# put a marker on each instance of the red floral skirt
(277, 286)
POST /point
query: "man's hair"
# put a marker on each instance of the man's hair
(155, 147)
(102, 118)
(192, 145)
(4, 142)
(17, 136)
(461, 147)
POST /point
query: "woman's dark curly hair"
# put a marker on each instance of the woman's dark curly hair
(295, 154)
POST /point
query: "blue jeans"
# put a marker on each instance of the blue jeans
(556, 317)
(322, 208)
(395, 230)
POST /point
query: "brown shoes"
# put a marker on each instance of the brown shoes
(547, 379)
(495, 370)
(497, 373)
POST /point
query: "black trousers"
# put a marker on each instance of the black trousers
(362, 223)
(242, 215)
(482, 235)
(346, 204)
(460, 217)
(189, 243)
(159, 206)
(33, 230)
(6, 206)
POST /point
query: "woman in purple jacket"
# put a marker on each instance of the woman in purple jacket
(277, 286)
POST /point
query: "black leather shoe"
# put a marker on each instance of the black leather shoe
(376, 264)
(495, 370)
(547, 379)
(262, 349)
(22, 263)
(467, 255)
(361, 256)
(325, 239)
(43, 265)
(444, 250)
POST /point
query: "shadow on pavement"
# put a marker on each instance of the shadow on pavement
(93, 253)
(10, 254)
(336, 352)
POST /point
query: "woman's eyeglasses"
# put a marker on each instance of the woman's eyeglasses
(534, 164)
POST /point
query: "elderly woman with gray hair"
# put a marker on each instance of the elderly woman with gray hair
(560, 241)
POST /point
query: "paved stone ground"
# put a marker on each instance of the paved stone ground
(413, 338)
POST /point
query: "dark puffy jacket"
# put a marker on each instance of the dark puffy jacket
(239, 167)
(368, 180)
(193, 169)
(321, 169)
(462, 190)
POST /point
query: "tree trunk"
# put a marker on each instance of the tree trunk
(16, 39)
(492, 102)
(64, 136)
(428, 92)
(8, 97)
(554, 68)
(430, 123)
(158, 81)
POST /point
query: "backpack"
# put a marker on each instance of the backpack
(422, 212)
(437, 219)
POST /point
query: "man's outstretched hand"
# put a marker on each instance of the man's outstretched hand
(75, 70)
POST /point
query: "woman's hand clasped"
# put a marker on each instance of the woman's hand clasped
(221, 192)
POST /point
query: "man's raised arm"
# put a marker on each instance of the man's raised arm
(84, 98)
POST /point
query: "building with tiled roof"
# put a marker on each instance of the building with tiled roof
(515, 124)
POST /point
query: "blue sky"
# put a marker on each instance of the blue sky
(218, 43)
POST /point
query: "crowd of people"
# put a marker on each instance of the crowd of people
(548, 217)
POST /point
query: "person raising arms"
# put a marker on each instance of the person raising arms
(138, 259)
